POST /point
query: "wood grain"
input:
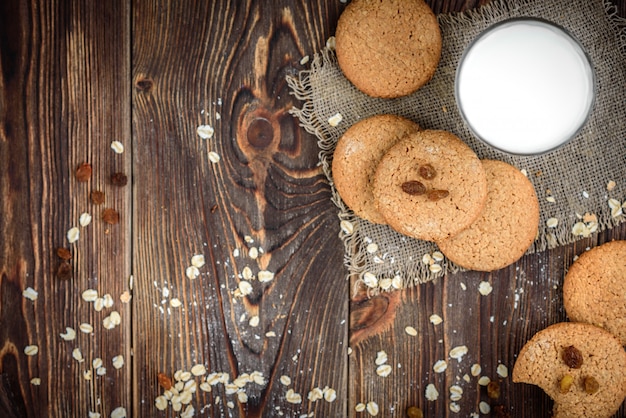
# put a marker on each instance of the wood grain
(76, 75)
(267, 186)
(63, 100)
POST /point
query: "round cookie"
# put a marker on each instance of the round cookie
(453, 187)
(594, 289)
(388, 48)
(356, 156)
(585, 353)
(506, 227)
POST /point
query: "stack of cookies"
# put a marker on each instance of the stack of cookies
(581, 365)
(429, 185)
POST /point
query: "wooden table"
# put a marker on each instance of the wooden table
(77, 75)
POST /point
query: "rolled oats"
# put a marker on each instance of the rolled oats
(372, 408)
(360, 407)
(502, 371)
(552, 222)
(30, 293)
(192, 272)
(440, 366)
(475, 369)
(90, 295)
(335, 119)
(484, 408)
(431, 392)
(411, 331)
(330, 395)
(119, 412)
(69, 334)
(197, 260)
(205, 131)
(118, 361)
(315, 395)
(347, 227)
(254, 321)
(293, 397)
(84, 219)
(435, 319)
(484, 288)
(31, 350)
(454, 407)
(285, 380)
(161, 403)
(73, 234)
(458, 352)
(265, 276)
(245, 288)
(77, 355)
(214, 157)
(86, 328)
(484, 380)
(383, 370)
(381, 358)
(117, 147)
(175, 303)
(370, 280)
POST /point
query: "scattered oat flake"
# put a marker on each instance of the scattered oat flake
(117, 147)
(35, 381)
(315, 395)
(245, 288)
(454, 407)
(96, 363)
(198, 370)
(192, 272)
(335, 119)
(94, 414)
(160, 403)
(550, 199)
(119, 412)
(107, 300)
(90, 295)
(265, 276)
(484, 288)
(484, 408)
(431, 392)
(435, 319)
(411, 331)
(360, 407)
(372, 408)
(484, 380)
(304, 60)
(502, 370)
(214, 157)
(77, 355)
(205, 131)
(285, 380)
(30, 293)
(372, 247)
(69, 334)
(610, 185)
(440, 366)
(458, 352)
(435, 268)
(197, 260)
(253, 253)
(347, 227)
(370, 280)
(118, 361)
(381, 358)
(552, 222)
(86, 328)
(125, 296)
(293, 397)
(383, 370)
(475, 369)
(84, 219)
(254, 321)
(31, 350)
(330, 43)
(396, 282)
(73, 234)
(175, 303)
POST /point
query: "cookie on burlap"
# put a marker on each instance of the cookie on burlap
(594, 289)
(388, 48)
(356, 156)
(579, 353)
(430, 185)
(506, 227)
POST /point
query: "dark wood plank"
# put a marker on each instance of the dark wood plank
(64, 97)
(231, 58)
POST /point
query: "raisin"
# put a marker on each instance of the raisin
(164, 381)
(119, 179)
(435, 195)
(572, 357)
(413, 187)
(591, 385)
(414, 412)
(64, 253)
(97, 197)
(566, 383)
(110, 216)
(64, 270)
(427, 172)
(493, 390)
(83, 172)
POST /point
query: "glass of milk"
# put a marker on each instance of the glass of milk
(525, 86)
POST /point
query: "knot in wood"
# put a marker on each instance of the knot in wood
(144, 84)
(260, 132)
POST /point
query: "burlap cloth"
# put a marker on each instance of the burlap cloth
(570, 182)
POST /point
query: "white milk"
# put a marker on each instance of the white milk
(525, 86)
